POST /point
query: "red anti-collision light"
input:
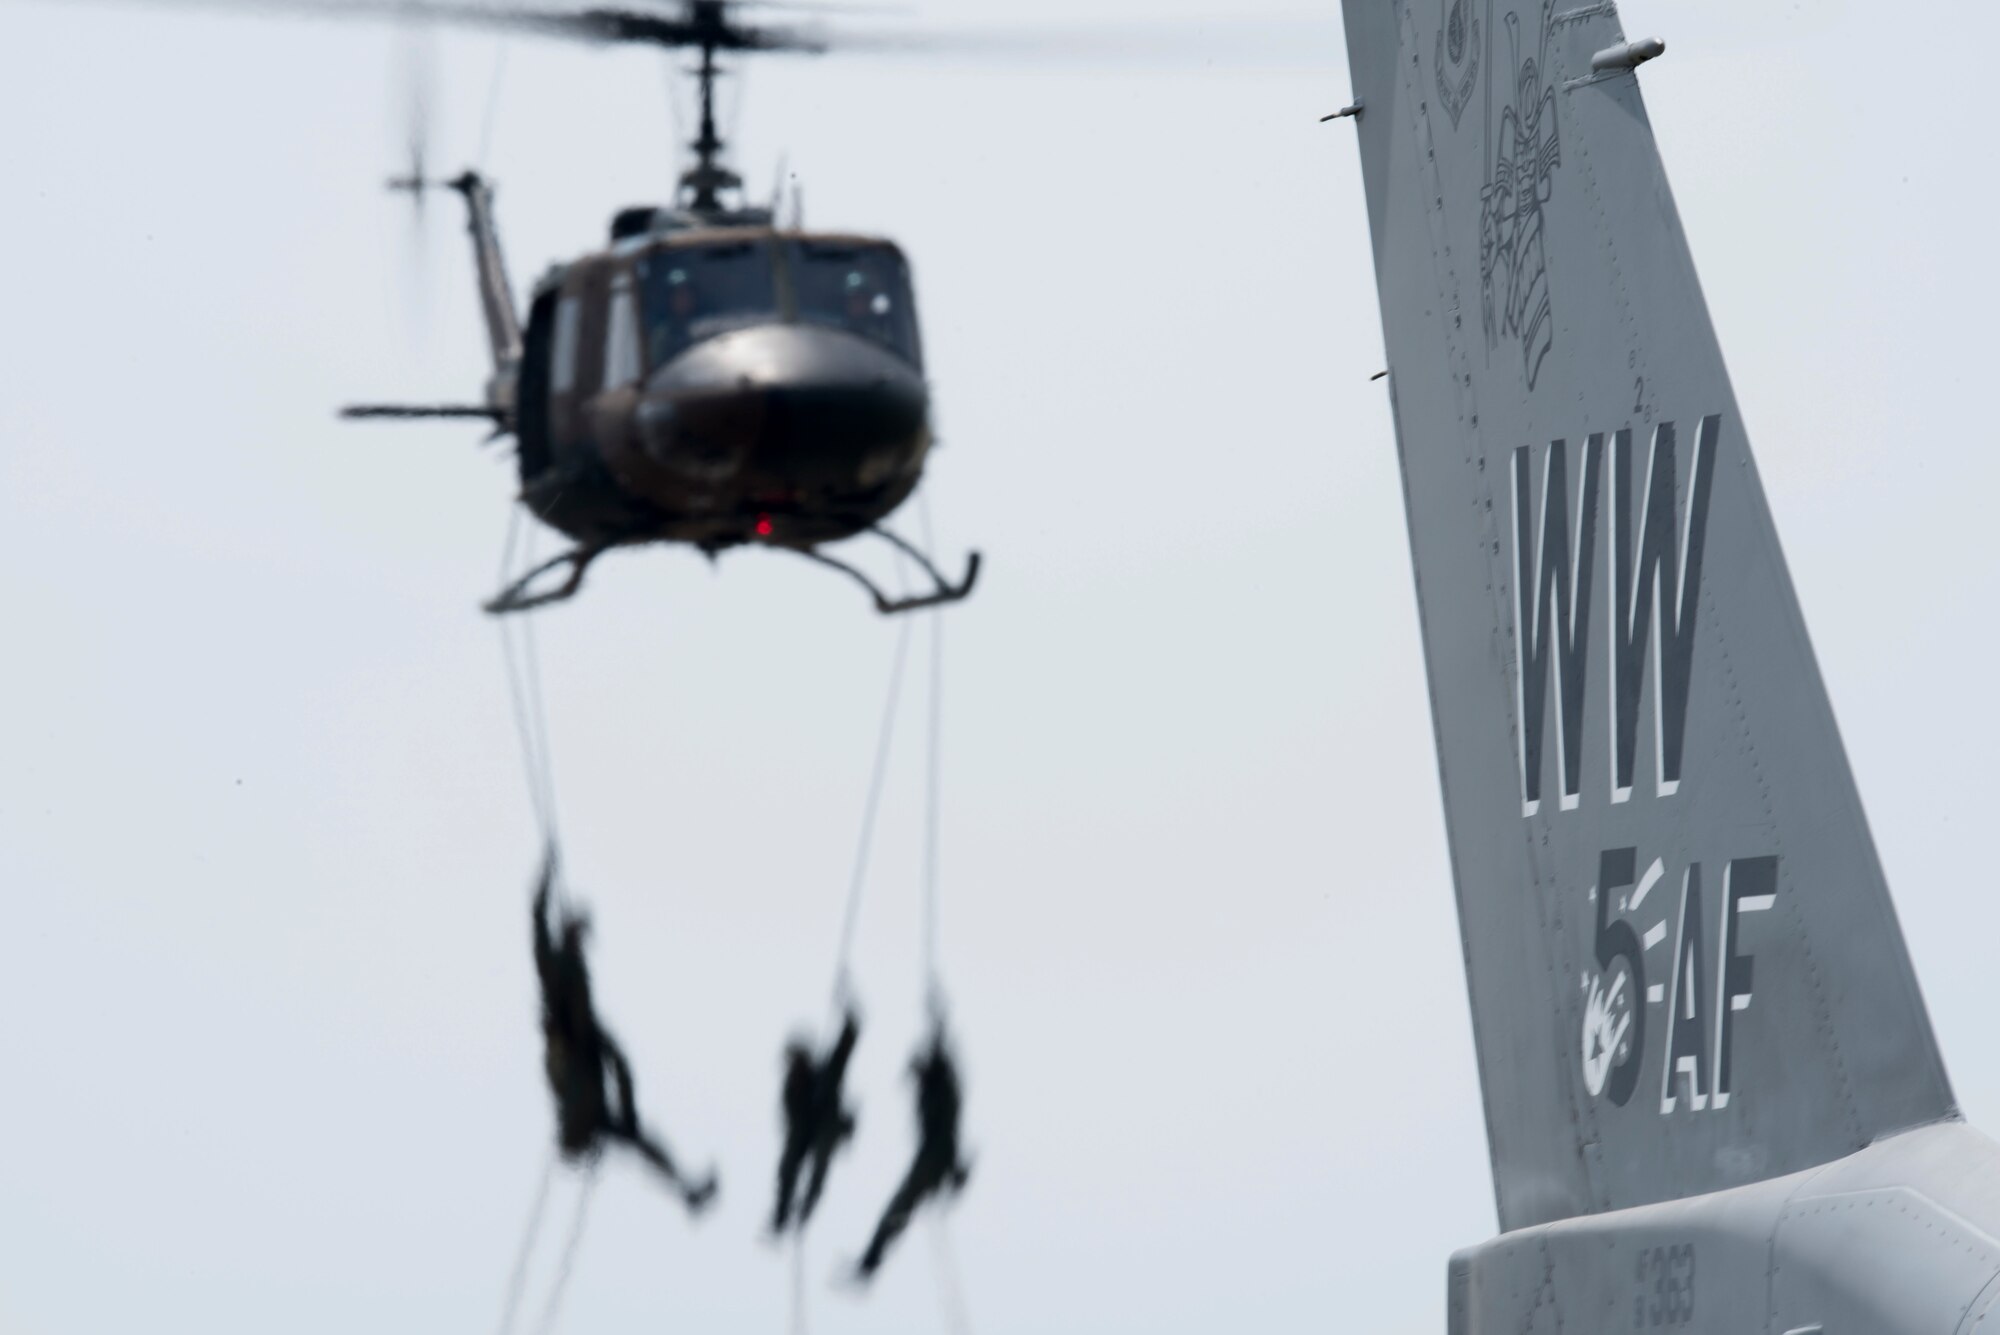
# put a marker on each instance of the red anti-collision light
(763, 526)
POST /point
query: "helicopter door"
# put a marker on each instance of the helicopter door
(577, 359)
(614, 410)
(541, 347)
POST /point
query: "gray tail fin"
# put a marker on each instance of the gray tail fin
(1684, 967)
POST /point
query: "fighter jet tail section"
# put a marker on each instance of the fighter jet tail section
(1685, 971)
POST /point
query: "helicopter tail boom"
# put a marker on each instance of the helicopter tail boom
(496, 293)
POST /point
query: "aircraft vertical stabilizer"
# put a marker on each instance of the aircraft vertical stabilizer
(1685, 970)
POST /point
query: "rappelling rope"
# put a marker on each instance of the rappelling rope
(521, 655)
(850, 920)
(519, 1279)
(869, 808)
(950, 1294)
(511, 648)
(933, 985)
(799, 1282)
(553, 1307)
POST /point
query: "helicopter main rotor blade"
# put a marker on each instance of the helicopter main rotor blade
(820, 7)
(1224, 42)
(602, 25)
(472, 15)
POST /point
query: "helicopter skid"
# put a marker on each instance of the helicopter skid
(523, 595)
(942, 591)
(516, 597)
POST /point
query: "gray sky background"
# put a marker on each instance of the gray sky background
(264, 841)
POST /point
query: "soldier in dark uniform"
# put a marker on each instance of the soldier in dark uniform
(817, 1122)
(579, 1052)
(938, 1166)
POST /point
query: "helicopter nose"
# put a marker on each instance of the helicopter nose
(817, 407)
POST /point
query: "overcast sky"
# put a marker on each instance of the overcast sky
(265, 847)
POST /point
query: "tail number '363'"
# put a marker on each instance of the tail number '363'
(1665, 1295)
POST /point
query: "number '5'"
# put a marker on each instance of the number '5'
(1616, 940)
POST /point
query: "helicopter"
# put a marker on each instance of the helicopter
(711, 376)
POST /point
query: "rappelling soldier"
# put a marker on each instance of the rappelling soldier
(579, 1053)
(938, 1166)
(817, 1122)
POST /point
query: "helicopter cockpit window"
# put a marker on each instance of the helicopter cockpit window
(697, 292)
(862, 288)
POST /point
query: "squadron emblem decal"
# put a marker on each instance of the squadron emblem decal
(1513, 259)
(1614, 1015)
(1458, 42)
